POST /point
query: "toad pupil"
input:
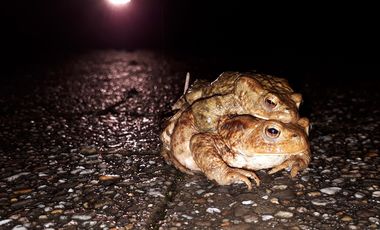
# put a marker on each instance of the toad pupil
(270, 102)
(273, 131)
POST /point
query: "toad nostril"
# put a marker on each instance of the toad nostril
(294, 135)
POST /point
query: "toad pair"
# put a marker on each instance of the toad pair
(235, 125)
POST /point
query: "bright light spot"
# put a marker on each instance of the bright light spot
(119, 2)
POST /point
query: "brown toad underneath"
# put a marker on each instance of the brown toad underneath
(240, 145)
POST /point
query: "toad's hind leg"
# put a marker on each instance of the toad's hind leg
(206, 156)
(166, 153)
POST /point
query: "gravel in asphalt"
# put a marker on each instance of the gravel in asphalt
(80, 150)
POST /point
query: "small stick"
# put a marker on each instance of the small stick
(187, 82)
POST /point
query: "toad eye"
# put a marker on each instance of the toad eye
(272, 132)
(270, 103)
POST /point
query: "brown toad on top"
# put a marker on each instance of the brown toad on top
(264, 96)
(239, 145)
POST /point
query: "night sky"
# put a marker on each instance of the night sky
(315, 39)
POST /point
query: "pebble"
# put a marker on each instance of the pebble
(331, 190)
(48, 225)
(42, 187)
(89, 223)
(213, 210)
(6, 221)
(155, 193)
(59, 206)
(208, 194)
(16, 176)
(338, 180)
(314, 194)
(57, 211)
(233, 203)
(23, 191)
(15, 216)
(81, 217)
(326, 216)
(43, 217)
(301, 209)
(346, 218)
(247, 202)
(187, 216)
(323, 201)
(200, 191)
(87, 171)
(359, 195)
(41, 174)
(376, 194)
(374, 220)
(108, 177)
(326, 138)
(283, 214)
(73, 223)
(279, 187)
(274, 200)
(78, 169)
(266, 217)
(19, 227)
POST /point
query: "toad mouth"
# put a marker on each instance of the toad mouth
(278, 154)
(261, 117)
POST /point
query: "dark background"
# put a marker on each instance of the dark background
(302, 41)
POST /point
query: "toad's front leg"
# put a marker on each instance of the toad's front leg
(206, 156)
(295, 163)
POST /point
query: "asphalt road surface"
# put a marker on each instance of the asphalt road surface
(79, 149)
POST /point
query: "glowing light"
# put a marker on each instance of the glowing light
(119, 2)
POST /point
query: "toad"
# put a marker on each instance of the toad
(240, 145)
(265, 89)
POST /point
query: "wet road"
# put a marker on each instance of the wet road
(80, 150)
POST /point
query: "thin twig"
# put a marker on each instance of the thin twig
(187, 82)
